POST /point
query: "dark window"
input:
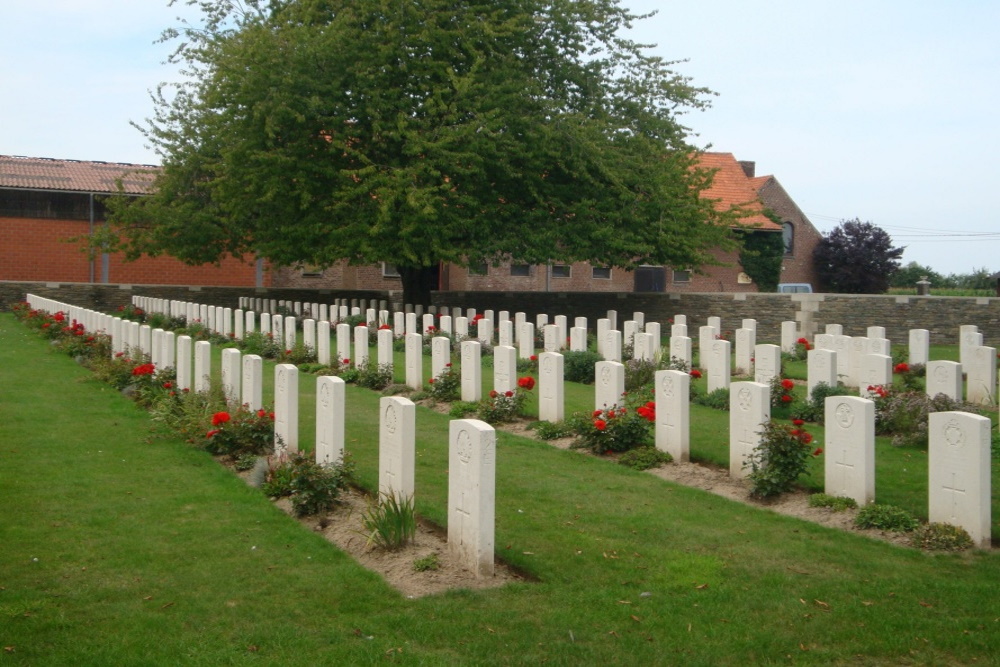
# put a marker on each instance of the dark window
(520, 270)
(650, 278)
(682, 276)
(560, 270)
(478, 269)
(602, 272)
(389, 270)
(788, 236)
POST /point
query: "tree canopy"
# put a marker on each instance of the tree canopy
(856, 258)
(419, 131)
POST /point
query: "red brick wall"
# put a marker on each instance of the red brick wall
(37, 249)
(798, 266)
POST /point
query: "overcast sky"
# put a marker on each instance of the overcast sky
(888, 111)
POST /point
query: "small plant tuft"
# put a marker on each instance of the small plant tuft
(390, 522)
(644, 458)
(427, 563)
(886, 517)
(941, 537)
(836, 503)
(551, 430)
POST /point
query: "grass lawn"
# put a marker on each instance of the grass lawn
(124, 545)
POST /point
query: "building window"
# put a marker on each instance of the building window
(560, 270)
(478, 269)
(520, 270)
(311, 271)
(602, 272)
(389, 270)
(788, 236)
(682, 276)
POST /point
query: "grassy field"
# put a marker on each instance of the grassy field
(124, 545)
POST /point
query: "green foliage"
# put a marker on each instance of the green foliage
(782, 398)
(613, 429)
(240, 433)
(814, 410)
(644, 458)
(836, 503)
(261, 344)
(428, 563)
(447, 386)
(856, 258)
(885, 517)
(639, 373)
(761, 257)
(908, 275)
(298, 354)
(941, 537)
(462, 409)
(780, 458)
(546, 430)
(578, 365)
(374, 376)
(717, 399)
(502, 407)
(314, 488)
(245, 462)
(300, 138)
(904, 415)
(390, 522)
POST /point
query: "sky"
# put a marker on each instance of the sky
(883, 110)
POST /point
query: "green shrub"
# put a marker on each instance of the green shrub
(447, 386)
(261, 344)
(941, 537)
(836, 503)
(780, 458)
(313, 488)
(551, 430)
(644, 458)
(717, 400)
(427, 563)
(578, 366)
(241, 432)
(813, 410)
(614, 429)
(245, 462)
(885, 517)
(500, 408)
(639, 373)
(462, 409)
(390, 522)
(374, 376)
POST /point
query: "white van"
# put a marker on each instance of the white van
(795, 288)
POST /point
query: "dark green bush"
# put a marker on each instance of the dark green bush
(644, 458)
(941, 537)
(886, 517)
(578, 366)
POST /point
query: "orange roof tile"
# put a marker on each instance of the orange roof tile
(732, 187)
(30, 173)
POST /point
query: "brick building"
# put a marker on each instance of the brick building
(44, 202)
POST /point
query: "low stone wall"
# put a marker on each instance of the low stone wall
(898, 314)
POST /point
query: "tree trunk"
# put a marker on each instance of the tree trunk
(418, 283)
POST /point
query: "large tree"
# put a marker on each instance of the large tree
(856, 258)
(420, 131)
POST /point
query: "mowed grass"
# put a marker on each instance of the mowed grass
(121, 545)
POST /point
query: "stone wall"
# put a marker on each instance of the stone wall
(898, 314)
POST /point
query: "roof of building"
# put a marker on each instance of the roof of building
(732, 187)
(31, 173)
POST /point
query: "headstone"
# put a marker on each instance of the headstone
(718, 365)
(767, 363)
(716, 323)
(678, 330)
(253, 381)
(427, 325)
(880, 346)
(706, 336)
(550, 387)
(842, 346)
(202, 366)
(821, 367)
(472, 494)
(563, 326)
(876, 332)
(824, 342)
(551, 338)
(183, 363)
(640, 319)
(613, 345)
(628, 334)
(746, 342)
(612, 317)
(680, 319)
(859, 348)
(399, 324)
(445, 324)
(749, 410)
(383, 347)
(578, 339)
(580, 322)
(286, 409)
(519, 320)
(343, 342)
(168, 358)
(541, 321)
(232, 375)
(309, 335)
(944, 377)
(876, 371)
(789, 336)
(749, 324)
(472, 370)
(504, 369)
(959, 472)
(278, 331)
(506, 333)
(461, 327)
(413, 343)
(642, 346)
(835, 329)
(265, 324)
(673, 416)
(238, 325)
(680, 350)
(526, 338)
(323, 342)
(919, 347)
(361, 351)
(849, 468)
(982, 375)
(609, 384)
(411, 324)
(603, 327)
(156, 348)
(397, 447)
(440, 355)
(968, 338)
(226, 321)
(656, 338)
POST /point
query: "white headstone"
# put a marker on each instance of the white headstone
(440, 355)
(603, 327)
(472, 370)
(411, 324)
(253, 381)
(821, 367)
(835, 329)
(982, 375)
(609, 384)
(749, 324)
(309, 335)
(330, 402)
(746, 342)
(718, 365)
(919, 347)
(504, 369)
(168, 358)
(656, 337)
(526, 340)
(824, 342)
(716, 323)
(461, 327)
(876, 371)
(959, 471)
(445, 324)
(323, 342)
(944, 377)
(749, 409)
(472, 494)
(849, 468)
(706, 336)
(642, 346)
(397, 447)
(286, 408)
(551, 338)
(156, 348)
(857, 375)
(343, 342)
(629, 328)
(383, 347)
(613, 345)
(578, 339)
(876, 332)
(767, 363)
(680, 349)
(673, 417)
(505, 333)
(678, 330)
(680, 319)
(232, 375)
(361, 351)
(789, 336)
(202, 366)
(414, 360)
(968, 338)
(183, 363)
(550, 387)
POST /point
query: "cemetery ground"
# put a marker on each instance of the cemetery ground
(125, 545)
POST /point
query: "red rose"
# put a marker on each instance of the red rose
(901, 368)
(807, 438)
(220, 418)
(527, 382)
(600, 424)
(597, 413)
(493, 393)
(695, 373)
(261, 413)
(787, 384)
(819, 450)
(508, 394)
(785, 398)
(798, 422)
(211, 433)
(533, 357)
